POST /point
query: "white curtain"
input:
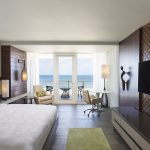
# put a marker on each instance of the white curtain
(99, 60)
(33, 71)
(113, 80)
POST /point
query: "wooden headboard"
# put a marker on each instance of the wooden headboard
(11, 69)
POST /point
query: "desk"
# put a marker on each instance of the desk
(104, 96)
(28, 98)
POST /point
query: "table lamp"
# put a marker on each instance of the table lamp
(105, 73)
(5, 89)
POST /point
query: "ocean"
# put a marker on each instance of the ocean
(65, 80)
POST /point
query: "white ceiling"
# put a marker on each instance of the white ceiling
(65, 48)
(71, 20)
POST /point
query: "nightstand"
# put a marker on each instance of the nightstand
(28, 99)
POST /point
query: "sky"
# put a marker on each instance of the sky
(85, 66)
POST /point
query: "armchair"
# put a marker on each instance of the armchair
(46, 99)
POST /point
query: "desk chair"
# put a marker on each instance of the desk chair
(94, 101)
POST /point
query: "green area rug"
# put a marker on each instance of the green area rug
(87, 139)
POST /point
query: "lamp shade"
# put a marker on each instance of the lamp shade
(105, 71)
(5, 88)
(24, 75)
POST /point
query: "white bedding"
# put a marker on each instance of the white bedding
(25, 127)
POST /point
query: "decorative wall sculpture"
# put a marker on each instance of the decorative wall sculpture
(125, 78)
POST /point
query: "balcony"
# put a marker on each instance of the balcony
(65, 88)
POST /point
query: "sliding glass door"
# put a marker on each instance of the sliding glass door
(66, 75)
(65, 78)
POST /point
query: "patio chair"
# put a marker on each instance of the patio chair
(49, 88)
(80, 88)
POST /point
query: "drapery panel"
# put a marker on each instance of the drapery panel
(33, 71)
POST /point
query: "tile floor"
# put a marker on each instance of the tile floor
(72, 116)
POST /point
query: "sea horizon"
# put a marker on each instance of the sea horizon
(86, 80)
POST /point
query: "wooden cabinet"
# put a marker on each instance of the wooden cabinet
(128, 133)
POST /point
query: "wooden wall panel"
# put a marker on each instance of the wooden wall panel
(5, 62)
(0, 74)
(129, 59)
(134, 46)
(13, 69)
(0, 67)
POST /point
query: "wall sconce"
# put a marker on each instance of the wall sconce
(105, 73)
(24, 72)
(5, 89)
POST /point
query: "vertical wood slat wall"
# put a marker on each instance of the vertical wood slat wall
(11, 69)
(144, 56)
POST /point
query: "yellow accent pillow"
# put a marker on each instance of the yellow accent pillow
(41, 93)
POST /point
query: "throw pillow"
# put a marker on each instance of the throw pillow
(41, 93)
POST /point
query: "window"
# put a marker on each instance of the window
(85, 71)
(46, 70)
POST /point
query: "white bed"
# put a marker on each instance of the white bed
(25, 127)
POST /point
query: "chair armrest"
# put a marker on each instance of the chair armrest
(97, 100)
(36, 100)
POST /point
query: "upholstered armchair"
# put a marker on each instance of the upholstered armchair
(41, 96)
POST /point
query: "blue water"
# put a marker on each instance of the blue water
(65, 80)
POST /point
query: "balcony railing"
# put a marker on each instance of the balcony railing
(68, 83)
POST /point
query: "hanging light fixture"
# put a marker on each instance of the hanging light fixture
(24, 75)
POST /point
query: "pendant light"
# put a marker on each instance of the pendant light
(24, 75)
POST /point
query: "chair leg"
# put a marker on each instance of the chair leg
(99, 113)
(95, 108)
(86, 110)
(90, 112)
(80, 94)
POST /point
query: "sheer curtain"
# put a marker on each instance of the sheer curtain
(33, 71)
(113, 80)
(99, 59)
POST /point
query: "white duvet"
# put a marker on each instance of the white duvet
(25, 127)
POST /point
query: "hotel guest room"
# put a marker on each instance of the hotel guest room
(74, 75)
